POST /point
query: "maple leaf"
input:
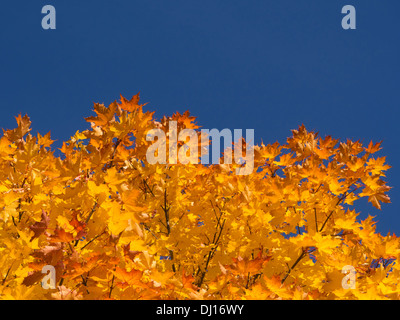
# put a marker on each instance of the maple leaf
(275, 285)
(187, 280)
(77, 268)
(65, 293)
(104, 115)
(129, 253)
(130, 105)
(33, 278)
(60, 235)
(378, 165)
(45, 140)
(128, 278)
(79, 226)
(372, 148)
(24, 124)
(40, 226)
(244, 266)
(380, 196)
(160, 278)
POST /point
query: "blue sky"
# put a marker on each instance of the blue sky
(265, 65)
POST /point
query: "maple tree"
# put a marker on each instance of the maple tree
(115, 227)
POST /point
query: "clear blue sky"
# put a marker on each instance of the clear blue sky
(265, 65)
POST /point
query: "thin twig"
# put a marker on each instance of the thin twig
(91, 212)
(316, 221)
(343, 197)
(93, 239)
(148, 187)
(111, 287)
(302, 255)
(166, 212)
(8, 271)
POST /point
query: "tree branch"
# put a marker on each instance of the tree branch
(343, 197)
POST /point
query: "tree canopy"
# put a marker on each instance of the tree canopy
(114, 226)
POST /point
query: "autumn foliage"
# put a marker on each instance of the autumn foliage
(115, 227)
